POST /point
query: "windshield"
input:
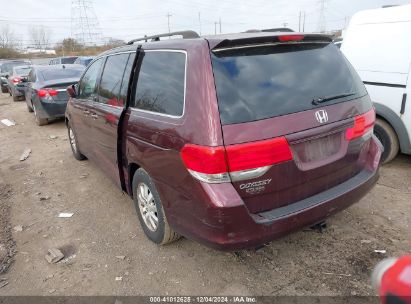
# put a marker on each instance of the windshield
(61, 73)
(262, 82)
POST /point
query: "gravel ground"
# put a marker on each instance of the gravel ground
(103, 239)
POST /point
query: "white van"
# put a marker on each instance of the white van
(378, 45)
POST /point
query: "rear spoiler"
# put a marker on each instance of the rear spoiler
(269, 39)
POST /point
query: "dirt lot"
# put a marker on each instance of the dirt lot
(104, 228)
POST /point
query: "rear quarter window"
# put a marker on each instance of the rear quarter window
(161, 83)
(261, 82)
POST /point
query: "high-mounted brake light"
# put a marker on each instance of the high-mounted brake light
(235, 162)
(43, 93)
(363, 124)
(286, 38)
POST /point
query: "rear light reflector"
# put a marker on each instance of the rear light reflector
(286, 38)
(242, 161)
(363, 124)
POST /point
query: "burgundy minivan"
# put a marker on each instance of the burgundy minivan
(231, 140)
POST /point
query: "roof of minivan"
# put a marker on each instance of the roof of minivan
(399, 13)
(213, 40)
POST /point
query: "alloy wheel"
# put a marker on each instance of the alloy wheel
(147, 206)
(72, 139)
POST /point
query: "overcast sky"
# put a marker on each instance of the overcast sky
(127, 19)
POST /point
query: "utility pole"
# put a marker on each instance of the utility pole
(304, 22)
(220, 25)
(215, 28)
(85, 27)
(322, 27)
(168, 21)
(199, 21)
(299, 22)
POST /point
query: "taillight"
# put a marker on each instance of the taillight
(286, 38)
(44, 93)
(208, 160)
(363, 124)
(235, 162)
(16, 80)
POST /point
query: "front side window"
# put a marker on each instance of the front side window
(126, 77)
(88, 83)
(110, 85)
(161, 83)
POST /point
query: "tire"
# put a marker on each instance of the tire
(73, 143)
(388, 138)
(161, 234)
(15, 98)
(4, 89)
(30, 109)
(39, 121)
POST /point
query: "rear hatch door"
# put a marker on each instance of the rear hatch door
(286, 107)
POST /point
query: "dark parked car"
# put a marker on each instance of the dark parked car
(16, 82)
(46, 90)
(231, 140)
(84, 60)
(63, 60)
(6, 69)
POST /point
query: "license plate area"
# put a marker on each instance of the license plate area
(318, 148)
(315, 152)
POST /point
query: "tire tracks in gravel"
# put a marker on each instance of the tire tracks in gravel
(7, 244)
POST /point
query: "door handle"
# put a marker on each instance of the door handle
(94, 115)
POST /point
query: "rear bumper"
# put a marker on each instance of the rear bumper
(55, 109)
(230, 226)
(17, 91)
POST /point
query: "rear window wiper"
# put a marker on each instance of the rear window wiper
(317, 101)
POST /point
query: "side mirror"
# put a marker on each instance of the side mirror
(7, 76)
(24, 80)
(71, 91)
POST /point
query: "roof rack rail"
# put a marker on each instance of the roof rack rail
(185, 34)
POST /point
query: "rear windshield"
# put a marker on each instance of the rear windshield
(8, 67)
(68, 60)
(61, 73)
(22, 71)
(262, 82)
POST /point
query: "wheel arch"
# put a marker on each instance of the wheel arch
(132, 168)
(385, 113)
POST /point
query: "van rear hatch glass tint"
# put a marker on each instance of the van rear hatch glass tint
(259, 82)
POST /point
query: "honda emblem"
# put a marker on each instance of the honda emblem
(322, 116)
